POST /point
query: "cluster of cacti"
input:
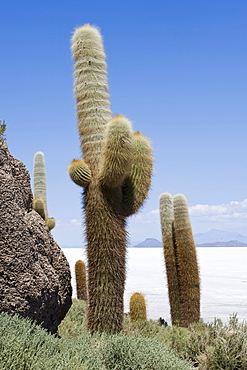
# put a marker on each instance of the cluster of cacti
(115, 173)
(180, 260)
(81, 280)
(39, 199)
(138, 310)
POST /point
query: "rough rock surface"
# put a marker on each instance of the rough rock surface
(35, 278)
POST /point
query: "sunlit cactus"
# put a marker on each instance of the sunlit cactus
(180, 259)
(39, 199)
(115, 172)
(138, 310)
(81, 280)
(170, 255)
(79, 172)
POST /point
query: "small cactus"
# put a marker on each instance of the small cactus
(39, 201)
(138, 309)
(81, 280)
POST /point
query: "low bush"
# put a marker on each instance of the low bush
(135, 353)
(210, 346)
(142, 345)
(26, 346)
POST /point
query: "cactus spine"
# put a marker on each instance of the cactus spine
(114, 176)
(138, 310)
(39, 201)
(81, 280)
(181, 260)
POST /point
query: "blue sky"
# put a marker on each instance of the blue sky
(176, 69)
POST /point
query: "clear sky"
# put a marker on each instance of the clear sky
(176, 69)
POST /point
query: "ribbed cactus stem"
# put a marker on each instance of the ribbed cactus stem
(40, 179)
(81, 280)
(117, 152)
(137, 183)
(39, 201)
(50, 222)
(188, 271)
(138, 310)
(169, 249)
(112, 154)
(38, 206)
(91, 91)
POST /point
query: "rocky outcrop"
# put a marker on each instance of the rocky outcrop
(35, 278)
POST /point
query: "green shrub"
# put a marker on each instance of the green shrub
(212, 346)
(75, 321)
(134, 353)
(144, 328)
(25, 345)
(142, 345)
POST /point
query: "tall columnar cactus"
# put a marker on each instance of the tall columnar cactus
(138, 310)
(81, 280)
(39, 201)
(170, 255)
(115, 172)
(181, 260)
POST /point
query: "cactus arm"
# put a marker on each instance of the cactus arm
(79, 172)
(117, 152)
(39, 207)
(50, 222)
(188, 271)
(169, 250)
(136, 185)
(91, 91)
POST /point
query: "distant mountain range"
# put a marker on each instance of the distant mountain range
(231, 243)
(215, 235)
(149, 243)
(212, 238)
